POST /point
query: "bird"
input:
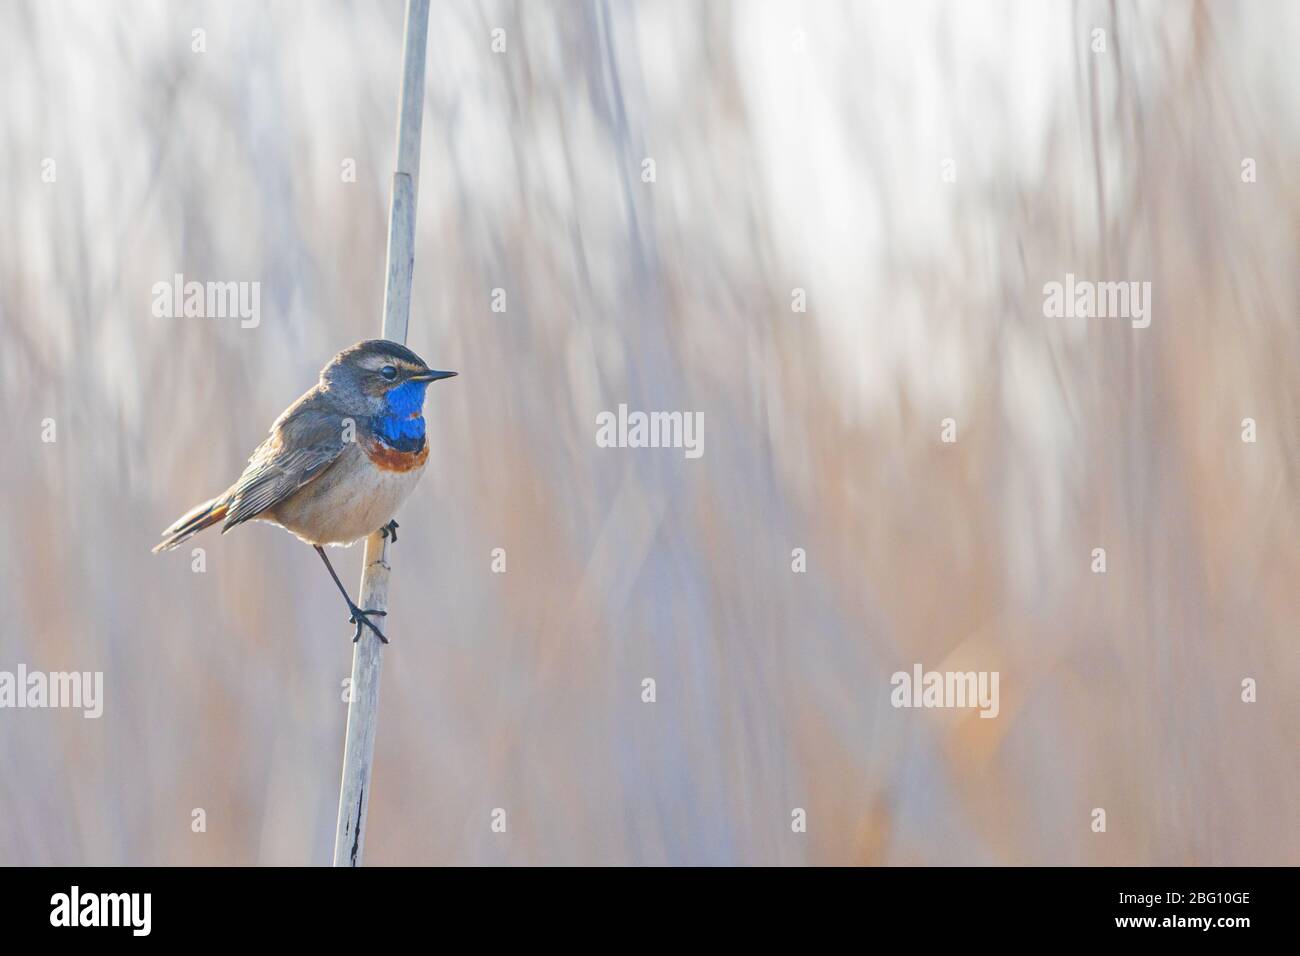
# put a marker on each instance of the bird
(337, 463)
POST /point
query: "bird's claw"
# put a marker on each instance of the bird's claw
(390, 530)
(362, 618)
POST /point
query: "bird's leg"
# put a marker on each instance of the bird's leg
(359, 617)
(390, 530)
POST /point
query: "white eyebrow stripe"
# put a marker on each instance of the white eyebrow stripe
(376, 362)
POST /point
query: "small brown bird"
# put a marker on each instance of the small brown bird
(338, 462)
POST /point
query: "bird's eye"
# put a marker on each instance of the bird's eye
(388, 372)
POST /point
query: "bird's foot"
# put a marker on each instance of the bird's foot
(390, 530)
(360, 618)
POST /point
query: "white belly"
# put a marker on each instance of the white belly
(353, 499)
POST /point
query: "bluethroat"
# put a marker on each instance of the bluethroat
(338, 462)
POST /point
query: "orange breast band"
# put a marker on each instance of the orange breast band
(390, 459)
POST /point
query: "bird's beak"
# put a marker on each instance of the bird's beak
(429, 375)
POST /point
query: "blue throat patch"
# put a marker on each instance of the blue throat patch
(395, 425)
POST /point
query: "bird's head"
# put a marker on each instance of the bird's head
(379, 377)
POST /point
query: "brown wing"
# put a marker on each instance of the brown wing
(303, 443)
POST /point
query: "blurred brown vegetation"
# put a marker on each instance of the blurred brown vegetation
(775, 169)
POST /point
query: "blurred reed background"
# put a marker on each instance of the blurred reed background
(776, 169)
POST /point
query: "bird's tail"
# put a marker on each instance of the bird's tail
(192, 522)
